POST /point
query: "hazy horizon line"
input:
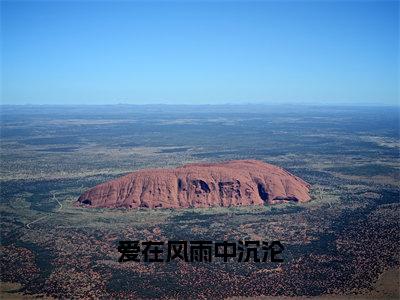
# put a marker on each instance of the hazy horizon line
(372, 104)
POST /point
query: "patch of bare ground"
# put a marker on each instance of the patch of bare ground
(386, 287)
(11, 291)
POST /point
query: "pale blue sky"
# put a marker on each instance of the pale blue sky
(200, 52)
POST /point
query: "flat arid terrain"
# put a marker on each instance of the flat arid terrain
(342, 244)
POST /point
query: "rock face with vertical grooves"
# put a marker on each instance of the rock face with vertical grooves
(231, 183)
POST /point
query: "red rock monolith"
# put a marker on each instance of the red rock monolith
(231, 183)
